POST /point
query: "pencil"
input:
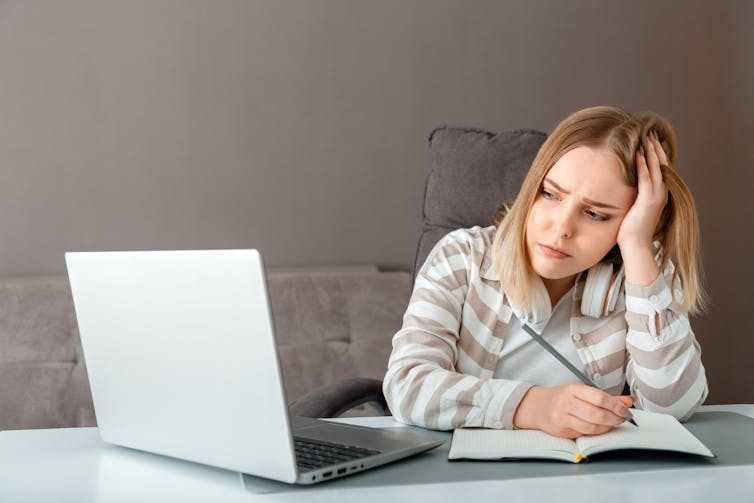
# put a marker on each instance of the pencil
(562, 359)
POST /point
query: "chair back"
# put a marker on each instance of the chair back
(473, 172)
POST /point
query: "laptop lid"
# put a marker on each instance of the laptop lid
(181, 355)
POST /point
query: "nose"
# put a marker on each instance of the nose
(563, 223)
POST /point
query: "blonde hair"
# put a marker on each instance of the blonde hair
(621, 133)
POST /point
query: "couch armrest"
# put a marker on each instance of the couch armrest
(334, 399)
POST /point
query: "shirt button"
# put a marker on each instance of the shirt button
(577, 337)
(596, 377)
(653, 299)
(498, 425)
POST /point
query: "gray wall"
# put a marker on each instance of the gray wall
(300, 127)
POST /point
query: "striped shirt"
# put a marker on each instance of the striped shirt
(440, 372)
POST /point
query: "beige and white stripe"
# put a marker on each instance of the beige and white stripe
(440, 371)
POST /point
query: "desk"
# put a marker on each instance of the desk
(75, 465)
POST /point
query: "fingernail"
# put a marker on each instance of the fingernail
(626, 413)
(641, 149)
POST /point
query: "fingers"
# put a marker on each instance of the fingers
(628, 401)
(660, 190)
(582, 427)
(642, 170)
(572, 410)
(648, 169)
(604, 402)
(659, 150)
(654, 161)
(597, 407)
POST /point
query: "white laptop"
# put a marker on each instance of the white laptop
(182, 361)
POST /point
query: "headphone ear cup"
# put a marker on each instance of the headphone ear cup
(598, 279)
(614, 291)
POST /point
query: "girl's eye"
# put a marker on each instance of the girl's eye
(596, 216)
(547, 195)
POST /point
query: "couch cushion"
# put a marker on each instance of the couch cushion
(473, 172)
(332, 327)
(43, 381)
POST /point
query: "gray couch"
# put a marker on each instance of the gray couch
(331, 325)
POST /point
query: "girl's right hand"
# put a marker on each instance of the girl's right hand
(571, 411)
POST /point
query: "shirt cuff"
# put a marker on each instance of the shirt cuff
(649, 300)
(502, 418)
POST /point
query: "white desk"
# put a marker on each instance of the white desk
(75, 465)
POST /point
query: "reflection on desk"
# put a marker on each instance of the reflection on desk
(75, 465)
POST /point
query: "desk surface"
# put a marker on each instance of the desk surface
(75, 465)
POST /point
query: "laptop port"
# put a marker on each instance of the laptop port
(327, 474)
(341, 471)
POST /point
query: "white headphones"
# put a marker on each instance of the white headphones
(602, 289)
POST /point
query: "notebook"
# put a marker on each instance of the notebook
(655, 431)
(182, 361)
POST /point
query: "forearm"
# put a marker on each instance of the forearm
(640, 265)
(677, 389)
(423, 388)
(664, 368)
(444, 400)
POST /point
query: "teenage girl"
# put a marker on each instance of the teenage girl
(598, 254)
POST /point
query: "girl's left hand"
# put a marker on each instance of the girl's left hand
(639, 224)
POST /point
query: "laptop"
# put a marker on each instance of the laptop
(182, 361)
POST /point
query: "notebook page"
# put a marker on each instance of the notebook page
(493, 444)
(655, 431)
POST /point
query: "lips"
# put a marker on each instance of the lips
(551, 251)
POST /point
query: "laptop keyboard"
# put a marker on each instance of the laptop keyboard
(311, 454)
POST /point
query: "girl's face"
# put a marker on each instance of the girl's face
(575, 218)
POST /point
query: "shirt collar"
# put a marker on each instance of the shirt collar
(488, 271)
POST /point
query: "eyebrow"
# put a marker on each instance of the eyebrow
(590, 202)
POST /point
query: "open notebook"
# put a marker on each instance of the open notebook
(655, 431)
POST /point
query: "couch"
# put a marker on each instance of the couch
(331, 324)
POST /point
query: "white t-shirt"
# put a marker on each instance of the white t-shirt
(523, 359)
